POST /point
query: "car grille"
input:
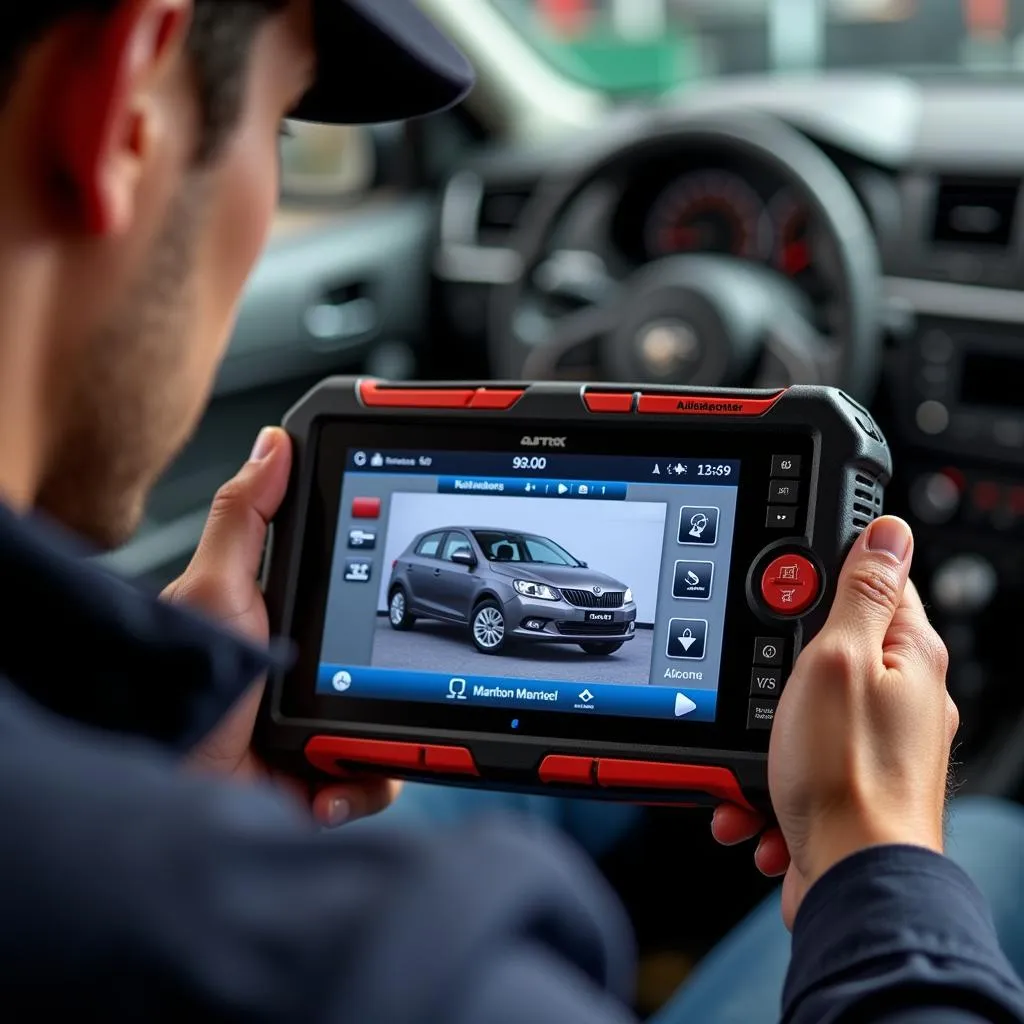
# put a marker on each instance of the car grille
(588, 599)
(592, 628)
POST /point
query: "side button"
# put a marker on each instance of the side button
(769, 650)
(786, 467)
(761, 713)
(719, 783)
(790, 585)
(578, 771)
(783, 492)
(781, 517)
(325, 753)
(605, 401)
(765, 682)
(450, 761)
(492, 398)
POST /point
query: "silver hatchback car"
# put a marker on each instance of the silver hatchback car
(508, 585)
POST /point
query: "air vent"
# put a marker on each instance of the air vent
(501, 208)
(976, 211)
(867, 502)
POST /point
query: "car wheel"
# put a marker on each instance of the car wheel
(600, 649)
(398, 610)
(488, 628)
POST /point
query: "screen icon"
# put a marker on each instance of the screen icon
(684, 705)
(359, 459)
(377, 461)
(692, 580)
(457, 690)
(562, 489)
(687, 639)
(698, 525)
(358, 570)
(362, 540)
(366, 508)
(342, 681)
(583, 490)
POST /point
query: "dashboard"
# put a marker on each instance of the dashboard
(938, 168)
(712, 202)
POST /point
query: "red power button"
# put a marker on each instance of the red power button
(790, 585)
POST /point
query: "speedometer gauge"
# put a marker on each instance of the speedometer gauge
(794, 248)
(709, 211)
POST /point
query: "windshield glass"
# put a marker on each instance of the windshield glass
(641, 47)
(520, 547)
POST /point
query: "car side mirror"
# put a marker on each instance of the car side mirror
(464, 557)
(583, 565)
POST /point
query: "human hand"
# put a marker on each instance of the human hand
(861, 742)
(222, 582)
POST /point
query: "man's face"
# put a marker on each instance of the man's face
(165, 290)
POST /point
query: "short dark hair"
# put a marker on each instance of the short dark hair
(219, 44)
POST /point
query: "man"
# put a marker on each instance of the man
(137, 184)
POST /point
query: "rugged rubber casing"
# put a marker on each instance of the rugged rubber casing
(849, 467)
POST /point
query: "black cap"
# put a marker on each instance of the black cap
(380, 60)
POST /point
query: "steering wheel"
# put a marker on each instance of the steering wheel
(698, 319)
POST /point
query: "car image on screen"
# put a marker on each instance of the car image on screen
(506, 585)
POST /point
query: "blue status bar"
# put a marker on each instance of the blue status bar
(547, 467)
(516, 487)
(638, 701)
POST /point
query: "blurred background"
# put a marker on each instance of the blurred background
(643, 47)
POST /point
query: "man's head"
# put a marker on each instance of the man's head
(138, 182)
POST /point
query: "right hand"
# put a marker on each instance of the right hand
(861, 742)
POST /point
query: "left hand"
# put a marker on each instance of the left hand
(222, 582)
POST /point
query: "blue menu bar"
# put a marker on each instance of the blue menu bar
(588, 489)
(518, 694)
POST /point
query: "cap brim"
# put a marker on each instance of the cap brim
(381, 60)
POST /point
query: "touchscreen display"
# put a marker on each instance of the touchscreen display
(582, 584)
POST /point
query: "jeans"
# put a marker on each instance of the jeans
(740, 981)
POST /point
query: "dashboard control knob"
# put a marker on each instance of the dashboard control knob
(965, 585)
(935, 498)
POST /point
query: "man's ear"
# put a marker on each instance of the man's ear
(106, 117)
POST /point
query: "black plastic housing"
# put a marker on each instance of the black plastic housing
(845, 466)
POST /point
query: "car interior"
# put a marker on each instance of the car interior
(726, 193)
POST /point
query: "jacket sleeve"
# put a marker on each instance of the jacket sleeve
(898, 935)
(132, 893)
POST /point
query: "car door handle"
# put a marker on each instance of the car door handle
(437, 572)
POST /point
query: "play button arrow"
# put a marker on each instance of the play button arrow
(687, 641)
(684, 705)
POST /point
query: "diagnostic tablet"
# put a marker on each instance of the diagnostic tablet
(592, 590)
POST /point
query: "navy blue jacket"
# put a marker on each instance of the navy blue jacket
(131, 889)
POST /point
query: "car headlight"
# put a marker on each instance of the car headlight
(627, 598)
(536, 590)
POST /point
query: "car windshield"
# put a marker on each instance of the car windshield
(499, 546)
(640, 47)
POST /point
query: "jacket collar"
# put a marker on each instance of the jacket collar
(94, 648)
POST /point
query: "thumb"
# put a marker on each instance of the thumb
(871, 585)
(231, 547)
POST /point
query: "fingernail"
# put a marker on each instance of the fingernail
(264, 445)
(891, 536)
(339, 811)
